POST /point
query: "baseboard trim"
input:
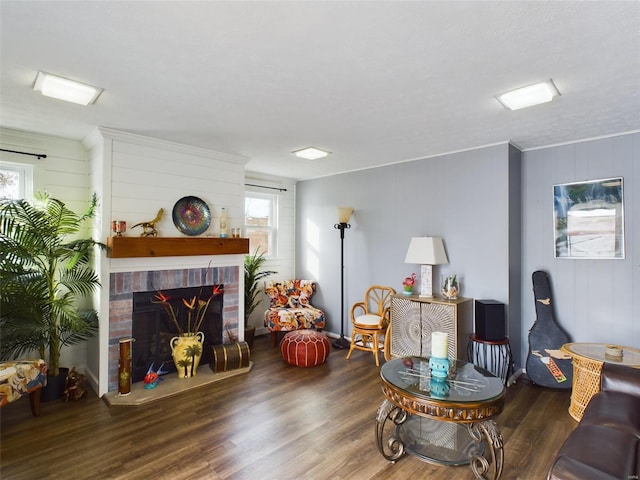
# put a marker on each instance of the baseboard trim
(513, 378)
(262, 331)
(334, 335)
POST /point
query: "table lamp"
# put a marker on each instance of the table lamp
(426, 251)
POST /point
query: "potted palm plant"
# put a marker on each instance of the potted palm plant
(44, 270)
(252, 277)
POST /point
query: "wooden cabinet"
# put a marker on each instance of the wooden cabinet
(414, 318)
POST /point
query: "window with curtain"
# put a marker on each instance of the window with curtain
(15, 180)
(261, 222)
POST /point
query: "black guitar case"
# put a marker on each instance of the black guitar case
(547, 366)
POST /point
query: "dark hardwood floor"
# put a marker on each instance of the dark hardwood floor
(277, 422)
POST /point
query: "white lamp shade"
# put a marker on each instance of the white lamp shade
(426, 251)
(344, 214)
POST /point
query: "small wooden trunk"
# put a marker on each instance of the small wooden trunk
(230, 356)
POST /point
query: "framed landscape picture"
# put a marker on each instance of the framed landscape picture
(588, 219)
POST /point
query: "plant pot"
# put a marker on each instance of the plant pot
(55, 386)
(249, 335)
(187, 351)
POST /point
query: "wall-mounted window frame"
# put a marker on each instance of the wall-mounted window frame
(16, 180)
(261, 222)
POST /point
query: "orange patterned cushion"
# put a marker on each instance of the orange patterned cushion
(290, 293)
(20, 377)
(290, 306)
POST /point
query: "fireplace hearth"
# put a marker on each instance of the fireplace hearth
(153, 330)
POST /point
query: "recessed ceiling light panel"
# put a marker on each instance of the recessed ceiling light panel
(311, 153)
(66, 89)
(528, 96)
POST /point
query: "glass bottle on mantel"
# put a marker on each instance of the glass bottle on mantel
(223, 224)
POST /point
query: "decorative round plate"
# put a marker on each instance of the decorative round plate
(191, 215)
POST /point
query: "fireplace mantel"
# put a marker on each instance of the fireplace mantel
(127, 247)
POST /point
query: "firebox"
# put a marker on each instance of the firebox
(153, 330)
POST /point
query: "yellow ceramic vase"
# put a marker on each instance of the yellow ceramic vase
(186, 351)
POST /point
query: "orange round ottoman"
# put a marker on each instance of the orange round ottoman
(305, 348)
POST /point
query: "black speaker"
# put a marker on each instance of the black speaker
(490, 320)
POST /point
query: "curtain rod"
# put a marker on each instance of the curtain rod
(39, 155)
(262, 186)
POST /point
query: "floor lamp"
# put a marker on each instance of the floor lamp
(344, 213)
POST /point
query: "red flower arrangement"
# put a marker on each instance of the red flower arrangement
(196, 309)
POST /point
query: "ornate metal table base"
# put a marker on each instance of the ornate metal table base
(394, 448)
(479, 464)
(486, 456)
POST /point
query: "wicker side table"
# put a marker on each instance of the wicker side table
(588, 359)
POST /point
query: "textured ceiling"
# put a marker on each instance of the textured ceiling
(373, 82)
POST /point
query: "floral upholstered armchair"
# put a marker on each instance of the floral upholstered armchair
(290, 307)
(23, 377)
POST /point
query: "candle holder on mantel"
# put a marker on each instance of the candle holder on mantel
(118, 227)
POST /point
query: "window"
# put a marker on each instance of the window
(260, 222)
(15, 180)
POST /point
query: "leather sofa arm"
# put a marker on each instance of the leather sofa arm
(620, 378)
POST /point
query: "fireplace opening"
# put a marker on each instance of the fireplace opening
(153, 330)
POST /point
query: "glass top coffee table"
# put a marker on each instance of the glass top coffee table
(447, 421)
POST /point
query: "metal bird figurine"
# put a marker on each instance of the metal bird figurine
(152, 378)
(149, 228)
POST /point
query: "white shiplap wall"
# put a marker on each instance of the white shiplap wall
(134, 176)
(284, 260)
(147, 174)
(139, 175)
(64, 175)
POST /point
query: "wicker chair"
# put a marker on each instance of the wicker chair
(369, 320)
